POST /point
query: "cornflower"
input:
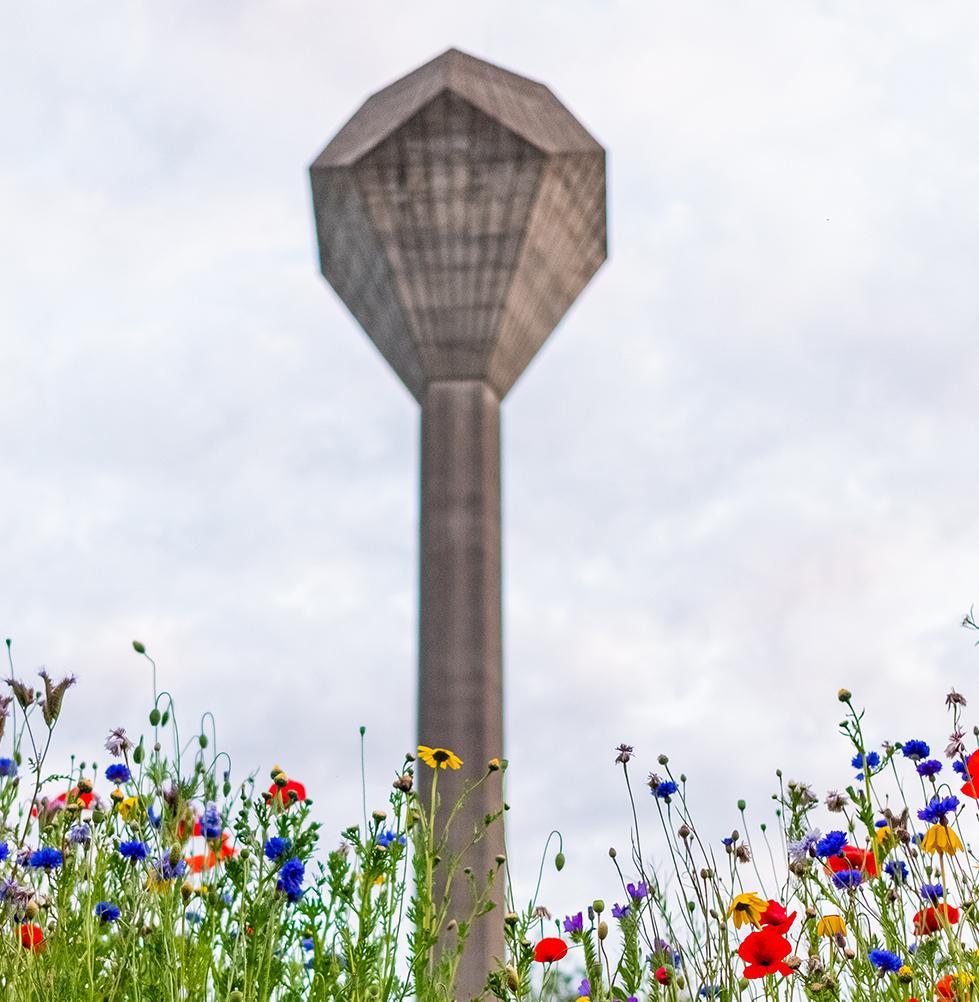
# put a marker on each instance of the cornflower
(117, 743)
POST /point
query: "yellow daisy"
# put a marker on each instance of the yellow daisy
(941, 839)
(439, 758)
(831, 925)
(747, 908)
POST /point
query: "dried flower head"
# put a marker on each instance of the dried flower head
(54, 694)
(836, 801)
(625, 753)
(954, 699)
(117, 743)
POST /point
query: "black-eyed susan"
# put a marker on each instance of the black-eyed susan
(747, 908)
(439, 758)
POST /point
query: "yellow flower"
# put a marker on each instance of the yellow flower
(747, 908)
(941, 839)
(884, 833)
(129, 807)
(905, 974)
(831, 925)
(494, 765)
(439, 758)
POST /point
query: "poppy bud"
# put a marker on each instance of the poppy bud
(226, 789)
(165, 718)
(245, 855)
(138, 647)
(612, 853)
(602, 930)
(742, 805)
(559, 862)
(154, 716)
(663, 759)
(202, 740)
(706, 874)
(138, 754)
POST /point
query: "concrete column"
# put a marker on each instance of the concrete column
(460, 691)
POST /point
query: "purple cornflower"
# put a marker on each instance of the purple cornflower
(276, 847)
(291, 879)
(930, 767)
(847, 878)
(830, 844)
(637, 891)
(584, 989)
(574, 923)
(620, 911)
(915, 750)
(45, 858)
(211, 822)
(937, 808)
(117, 773)
(800, 848)
(932, 892)
(884, 960)
(168, 869)
(80, 834)
(133, 851)
(959, 766)
(117, 743)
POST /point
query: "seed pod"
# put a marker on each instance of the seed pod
(602, 929)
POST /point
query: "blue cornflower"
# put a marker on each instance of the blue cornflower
(959, 766)
(620, 911)
(869, 761)
(8, 768)
(799, 849)
(45, 858)
(105, 911)
(574, 923)
(727, 841)
(80, 834)
(195, 918)
(385, 838)
(134, 851)
(584, 989)
(930, 767)
(276, 847)
(291, 879)
(211, 822)
(932, 892)
(897, 870)
(830, 844)
(166, 869)
(117, 773)
(637, 891)
(937, 808)
(884, 960)
(4, 851)
(709, 991)
(881, 824)
(665, 789)
(847, 878)
(308, 943)
(915, 749)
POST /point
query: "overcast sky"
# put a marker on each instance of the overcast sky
(742, 473)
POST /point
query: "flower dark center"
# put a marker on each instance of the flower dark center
(440, 755)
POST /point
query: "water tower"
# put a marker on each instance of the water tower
(459, 214)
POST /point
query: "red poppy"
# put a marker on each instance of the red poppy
(663, 976)
(550, 949)
(853, 858)
(776, 917)
(930, 919)
(945, 988)
(32, 938)
(764, 951)
(284, 793)
(971, 788)
(201, 861)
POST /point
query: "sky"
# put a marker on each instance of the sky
(740, 474)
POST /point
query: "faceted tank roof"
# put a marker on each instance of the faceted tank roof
(459, 214)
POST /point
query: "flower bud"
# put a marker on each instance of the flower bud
(154, 716)
(663, 759)
(559, 862)
(612, 853)
(598, 905)
(499, 859)
(844, 695)
(602, 929)
(684, 832)
(138, 647)
(378, 816)
(512, 979)
(138, 753)
(742, 805)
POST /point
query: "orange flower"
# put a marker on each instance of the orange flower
(550, 949)
(32, 938)
(929, 920)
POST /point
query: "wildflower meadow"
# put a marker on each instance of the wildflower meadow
(155, 877)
